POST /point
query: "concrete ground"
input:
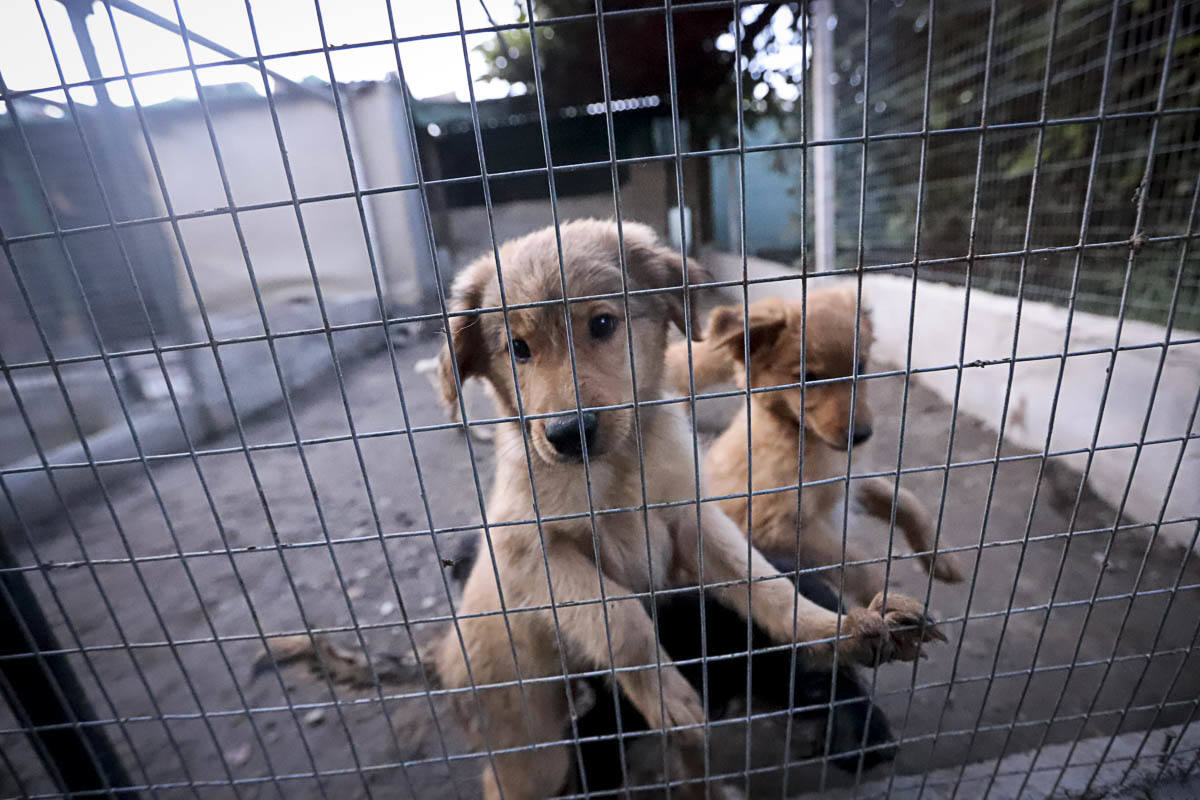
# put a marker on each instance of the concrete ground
(1102, 766)
(203, 688)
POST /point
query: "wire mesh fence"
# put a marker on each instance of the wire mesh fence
(245, 455)
(1019, 77)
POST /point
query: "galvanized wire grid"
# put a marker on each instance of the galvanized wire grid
(116, 723)
(1087, 36)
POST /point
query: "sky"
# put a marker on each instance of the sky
(433, 67)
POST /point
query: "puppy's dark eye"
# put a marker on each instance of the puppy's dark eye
(521, 350)
(602, 326)
(809, 376)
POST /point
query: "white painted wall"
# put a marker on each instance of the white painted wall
(383, 140)
(643, 199)
(379, 133)
(317, 155)
(1084, 412)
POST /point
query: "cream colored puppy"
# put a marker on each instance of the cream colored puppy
(783, 353)
(628, 556)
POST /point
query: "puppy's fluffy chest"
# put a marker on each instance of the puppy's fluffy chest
(775, 464)
(636, 548)
(634, 552)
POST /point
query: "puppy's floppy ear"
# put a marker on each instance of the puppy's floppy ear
(653, 265)
(466, 331)
(726, 326)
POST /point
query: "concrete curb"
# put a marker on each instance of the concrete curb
(304, 360)
(1054, 776)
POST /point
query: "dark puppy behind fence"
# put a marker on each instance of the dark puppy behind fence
(858, 726)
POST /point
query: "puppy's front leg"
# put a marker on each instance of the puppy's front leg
(867, 635)
(581, 618)
(875, 495)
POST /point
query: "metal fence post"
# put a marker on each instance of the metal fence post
(49, 696)
(823, 116)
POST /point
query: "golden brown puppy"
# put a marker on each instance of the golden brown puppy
(775, 360)
(626, 555)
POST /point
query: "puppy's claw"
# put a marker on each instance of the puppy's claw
(908, 626)
(933, 632)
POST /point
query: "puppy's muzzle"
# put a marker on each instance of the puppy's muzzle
(568, 434)
(862, 432)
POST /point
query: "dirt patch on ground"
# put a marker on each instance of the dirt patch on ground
(181, 698)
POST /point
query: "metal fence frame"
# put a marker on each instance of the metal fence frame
(82, 722)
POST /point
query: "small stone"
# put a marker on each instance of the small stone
(361, 574)
(428, 603)
(238, 755)
(387, 608)
(314, 717)
(355, 592)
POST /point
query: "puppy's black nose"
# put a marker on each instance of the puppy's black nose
(564, 433)
(862, 432)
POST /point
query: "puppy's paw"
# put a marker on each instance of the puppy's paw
(864, 637)
(908, 625)
(682, 706)
(945, 567)
(684, 714)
